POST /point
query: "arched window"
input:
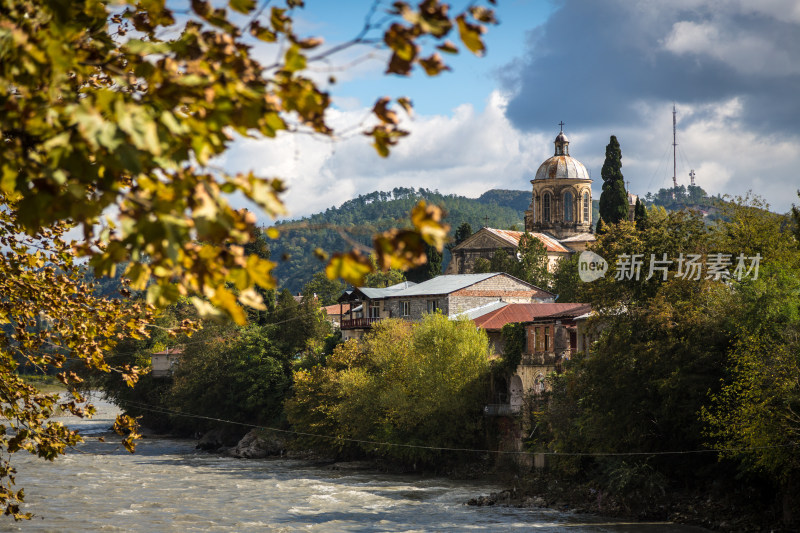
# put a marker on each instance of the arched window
(586, 207)
(546, 207)
(568, 206)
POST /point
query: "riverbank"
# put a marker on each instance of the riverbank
(538, 489)
(731, 511)
(528, 492)
(169, 485)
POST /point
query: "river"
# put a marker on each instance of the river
(168, 486)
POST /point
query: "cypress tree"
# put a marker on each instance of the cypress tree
(463, 232)
(640, 215)
(614, 199)
(600, 227)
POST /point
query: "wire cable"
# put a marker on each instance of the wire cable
(145, 407)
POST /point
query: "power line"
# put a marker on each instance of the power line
(145, 407)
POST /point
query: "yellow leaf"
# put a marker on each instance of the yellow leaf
(260, 271)
(224, 299)
(427, 220)
(352, 267)
(251, 298)
(243, 6)
(471, 35)
(406, 104)
(205, 309)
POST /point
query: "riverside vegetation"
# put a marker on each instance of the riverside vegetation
(690, 393)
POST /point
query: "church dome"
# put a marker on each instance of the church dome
(562, 165)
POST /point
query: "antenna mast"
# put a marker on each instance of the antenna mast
(691, 176)
(674, 147)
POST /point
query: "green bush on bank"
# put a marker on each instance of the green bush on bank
(420, 385)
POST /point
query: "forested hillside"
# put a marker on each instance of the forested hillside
(360, 217)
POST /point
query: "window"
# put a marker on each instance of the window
(586, 207)
(374, 310)
(433, 306)
(547, 338)
(568, 206)
(546, 207)
(538, 339)
(405, 308)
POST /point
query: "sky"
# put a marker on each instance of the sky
(731, 68)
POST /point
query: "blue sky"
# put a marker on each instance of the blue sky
(604, 67)
(470, 80)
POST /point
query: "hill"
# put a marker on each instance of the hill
(359, 218)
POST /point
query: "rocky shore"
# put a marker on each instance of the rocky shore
(729, 513)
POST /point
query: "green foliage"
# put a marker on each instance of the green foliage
(614, 198)
(360, 217)
(529, 266)
(431, 268)
(682, 197)
(677, 232)
(224, 371)
(513, 345)
(517, 200)
(327, 290)
(230, 373)
(380, 279)
(679, 365)
(419, 384)
(124, 107)
(754, 418)
(639, 214)
(567, 283)
(796, 219)
(533, 261)
(463, 233)
(599, 228)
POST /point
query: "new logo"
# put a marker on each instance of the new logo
(591, 266)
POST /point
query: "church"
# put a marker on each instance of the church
(559, 215)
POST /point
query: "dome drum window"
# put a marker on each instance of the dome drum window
(568, 198)
(546, 207)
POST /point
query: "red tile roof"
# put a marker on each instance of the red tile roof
(512, 313)
(170, 351)
(334, 309)
(512, 237)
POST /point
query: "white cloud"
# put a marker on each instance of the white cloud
(746, 52)
(712, 139)
(468, 153)
(465, 153)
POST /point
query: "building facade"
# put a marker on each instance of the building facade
(448, 294)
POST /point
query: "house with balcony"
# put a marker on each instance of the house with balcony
(553, 333)
(451, 295)
(361, 307)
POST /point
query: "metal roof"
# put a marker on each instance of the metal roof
(476, 312)
(375, 293)
(444, 284)
(562, 167)
(513, 313)
(580, 237)
(513, 237)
